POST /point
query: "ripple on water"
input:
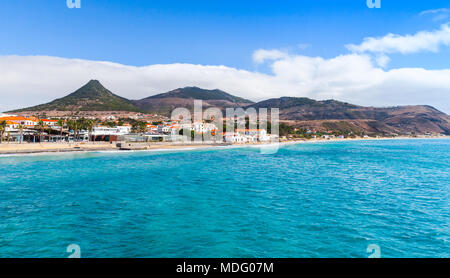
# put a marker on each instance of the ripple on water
(307, 200)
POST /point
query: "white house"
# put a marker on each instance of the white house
(199, 127)
(30, 121)
(254, 135)
(11, 126)
(152, 128)
(118, 130)
(164, 129)
(234, 137)
(125, 129)
(50, 123)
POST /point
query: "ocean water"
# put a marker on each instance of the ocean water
(307, 200)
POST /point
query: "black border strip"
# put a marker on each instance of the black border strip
(279, 266)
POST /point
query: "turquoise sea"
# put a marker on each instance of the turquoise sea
(307, 200)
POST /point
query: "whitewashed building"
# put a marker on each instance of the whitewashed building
(234, 137)
(50, 123)
(103, 130)
(30, 121)
(255, 135)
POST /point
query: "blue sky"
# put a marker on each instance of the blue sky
(321, 49)
(136, 32)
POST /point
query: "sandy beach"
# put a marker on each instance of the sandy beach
(31, 148)
(16, 148)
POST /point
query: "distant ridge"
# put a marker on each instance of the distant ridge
(184, 97)
(91, 97)
(342, 116)
(199, 93)
(300, 112)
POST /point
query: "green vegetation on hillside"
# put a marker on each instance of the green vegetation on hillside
(202, 94)
(91, 97)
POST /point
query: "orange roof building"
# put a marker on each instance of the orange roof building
(19, 120)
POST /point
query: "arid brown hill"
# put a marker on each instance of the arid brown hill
(336, 115)
(184, 97)
(302, 112)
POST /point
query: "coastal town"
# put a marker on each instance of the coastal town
(28, 133)
(203, 138)
(134, 129)
(94, 118)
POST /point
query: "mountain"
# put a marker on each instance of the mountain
(300, 112)
(91, 97)
(305, 109)
(341, 116)
(184, 97)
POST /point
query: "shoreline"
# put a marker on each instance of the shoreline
(8, 149)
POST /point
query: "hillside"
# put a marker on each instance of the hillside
(91, 97)
(304, 113)
(184, 97)
(341, 116)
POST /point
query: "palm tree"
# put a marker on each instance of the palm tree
(110, 124)
(40, 126)
(49, 132)
(2, 130)
(134, 127)
(88, 124)
(60, 123)
(74, 126)
(83, 124)
(70, 125)
(142, 127)
(21, 127)
(139, 127)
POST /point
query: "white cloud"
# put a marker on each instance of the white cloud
(382, 60)
(435, 11)
(407, 44)
(437, 14)
(31, 80)
(262, 55)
